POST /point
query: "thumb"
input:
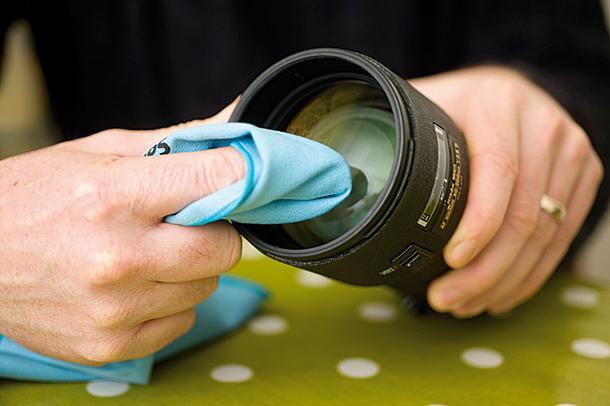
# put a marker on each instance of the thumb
(157, 186)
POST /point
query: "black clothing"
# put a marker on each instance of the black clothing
(150, 63)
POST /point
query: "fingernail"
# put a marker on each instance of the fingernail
(447, 297)
(463, 252)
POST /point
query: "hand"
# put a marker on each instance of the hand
(90, 273)
(522, 144)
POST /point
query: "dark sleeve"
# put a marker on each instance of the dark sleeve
(563, 46)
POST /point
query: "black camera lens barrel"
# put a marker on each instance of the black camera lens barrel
(399, 242)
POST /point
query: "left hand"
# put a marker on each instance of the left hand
(522, 144)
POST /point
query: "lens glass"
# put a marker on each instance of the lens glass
(355, 119)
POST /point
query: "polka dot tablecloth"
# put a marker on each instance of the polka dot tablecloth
(319, 342)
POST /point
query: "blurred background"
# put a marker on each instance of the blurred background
(26, 124)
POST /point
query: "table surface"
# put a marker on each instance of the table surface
(321, 342)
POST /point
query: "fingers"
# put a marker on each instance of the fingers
(155, 334)
(156, 186)
(503, 236)
(132, 143)
(132, 314)
(141, 317)
(108, 346)
(166, 299)
(134, 323)
(182, 254)
(561, 188)
(485, 276)
(579, 206)
(493, 143)
(517, 271)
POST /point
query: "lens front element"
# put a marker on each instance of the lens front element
(355, 119)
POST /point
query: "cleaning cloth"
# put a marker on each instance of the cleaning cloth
(288, 179)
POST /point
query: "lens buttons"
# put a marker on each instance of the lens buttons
(413, 258)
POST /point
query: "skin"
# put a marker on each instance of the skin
(92, 275)
(522, 144)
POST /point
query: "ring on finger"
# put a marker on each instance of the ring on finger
(553, 207)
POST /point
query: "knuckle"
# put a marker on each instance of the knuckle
(203, 250)
(233, 247)
(223, 250)
(579, 133)
(487, 222)
(484, 281)
(103, 351)
(98, 195)
(104, 137)
(552, 121)
(111, 133)
(218, 170)
(509, 89)
(598, 169)
(109, 316)
(545, 232)
(506, 165)
(229, 248)
(523, 219)
(503, 164)
(578, 153)
(110, 267)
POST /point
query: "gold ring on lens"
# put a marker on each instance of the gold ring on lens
(553, 207)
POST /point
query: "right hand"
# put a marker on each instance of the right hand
(90, 273)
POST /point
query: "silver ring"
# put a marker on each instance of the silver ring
(554, 208)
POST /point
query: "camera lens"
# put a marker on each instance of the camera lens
(355, 119)
(408, 164)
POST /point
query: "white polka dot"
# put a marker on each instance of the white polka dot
(248, 251)
(231, 373)
(580, 296)
(377, 311)
(312, 280)
(358, 368)
(107, 389)
(268, 325)
(480, 357)
(591, 348)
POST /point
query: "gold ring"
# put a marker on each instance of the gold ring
(555, 208)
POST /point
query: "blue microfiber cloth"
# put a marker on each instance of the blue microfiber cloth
(288, 179)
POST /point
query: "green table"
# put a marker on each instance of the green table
(319, 342)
